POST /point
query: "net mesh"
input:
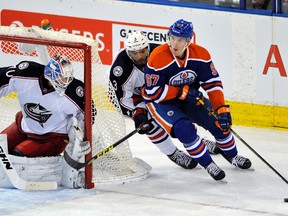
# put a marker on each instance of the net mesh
(118, 165)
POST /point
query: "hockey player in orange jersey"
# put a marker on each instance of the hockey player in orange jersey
(174, 74)
(127, 76)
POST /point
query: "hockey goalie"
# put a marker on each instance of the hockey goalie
(49, 82)
(50, 121)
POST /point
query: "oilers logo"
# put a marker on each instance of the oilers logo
(183, 78)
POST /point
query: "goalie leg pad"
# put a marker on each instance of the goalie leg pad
(38, 169)
(72, 178)
(44, 169)
(76, 149)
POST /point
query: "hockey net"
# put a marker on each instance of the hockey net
(117, 166)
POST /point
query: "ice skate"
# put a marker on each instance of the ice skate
(241, 162)
(211, 146)
(215, 172)
(238, 161)
(182, 159)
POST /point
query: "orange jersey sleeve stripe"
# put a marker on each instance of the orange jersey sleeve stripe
(156, 95)
(150, 96)
(217, 98)
(211, 85)
(171, 93)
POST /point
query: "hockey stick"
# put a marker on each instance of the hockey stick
(243, 141)
(13, 176)
(78, 165)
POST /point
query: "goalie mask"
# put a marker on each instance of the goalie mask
(59, 72)
(137, 48)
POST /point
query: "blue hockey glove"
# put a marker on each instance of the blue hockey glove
(224, 121)
(190, 95)
(140, 117)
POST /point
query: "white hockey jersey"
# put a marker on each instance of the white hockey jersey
(128, 79)
(43, 109)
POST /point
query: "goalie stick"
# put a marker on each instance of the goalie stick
(78, 165)
(243, 141)
(13, 176)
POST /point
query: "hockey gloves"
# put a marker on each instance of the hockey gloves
(140, 117)
(190, 95)
(224, 121)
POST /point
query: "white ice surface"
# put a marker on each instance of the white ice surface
(171, 190)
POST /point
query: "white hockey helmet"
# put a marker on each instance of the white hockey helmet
(59, 72)
(136, 41)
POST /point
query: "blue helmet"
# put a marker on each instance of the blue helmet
(181, 28)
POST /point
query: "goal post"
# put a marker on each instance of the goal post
(116, 167)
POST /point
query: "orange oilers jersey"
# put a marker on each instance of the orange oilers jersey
(165, 75)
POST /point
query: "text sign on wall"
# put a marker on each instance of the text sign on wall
(110, 35)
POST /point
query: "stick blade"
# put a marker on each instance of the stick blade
(71, 162)
(40, 186)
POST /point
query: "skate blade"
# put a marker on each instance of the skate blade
(244, 170)
(249, 169)
(223, 181)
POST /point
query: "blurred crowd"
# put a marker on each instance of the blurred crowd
(250, 4)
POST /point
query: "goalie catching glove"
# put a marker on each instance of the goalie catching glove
(224, 121)
(140, 117)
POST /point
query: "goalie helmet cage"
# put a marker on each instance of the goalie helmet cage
(35, 44)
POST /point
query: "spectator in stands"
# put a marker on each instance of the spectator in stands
(260, 4)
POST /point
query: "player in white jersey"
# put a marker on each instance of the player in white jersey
(49, 96)
(127, 77)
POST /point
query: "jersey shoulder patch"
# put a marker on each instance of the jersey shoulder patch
(122, 66)
(29, 69)
(75, 91)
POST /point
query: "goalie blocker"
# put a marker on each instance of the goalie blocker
(52, 169)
